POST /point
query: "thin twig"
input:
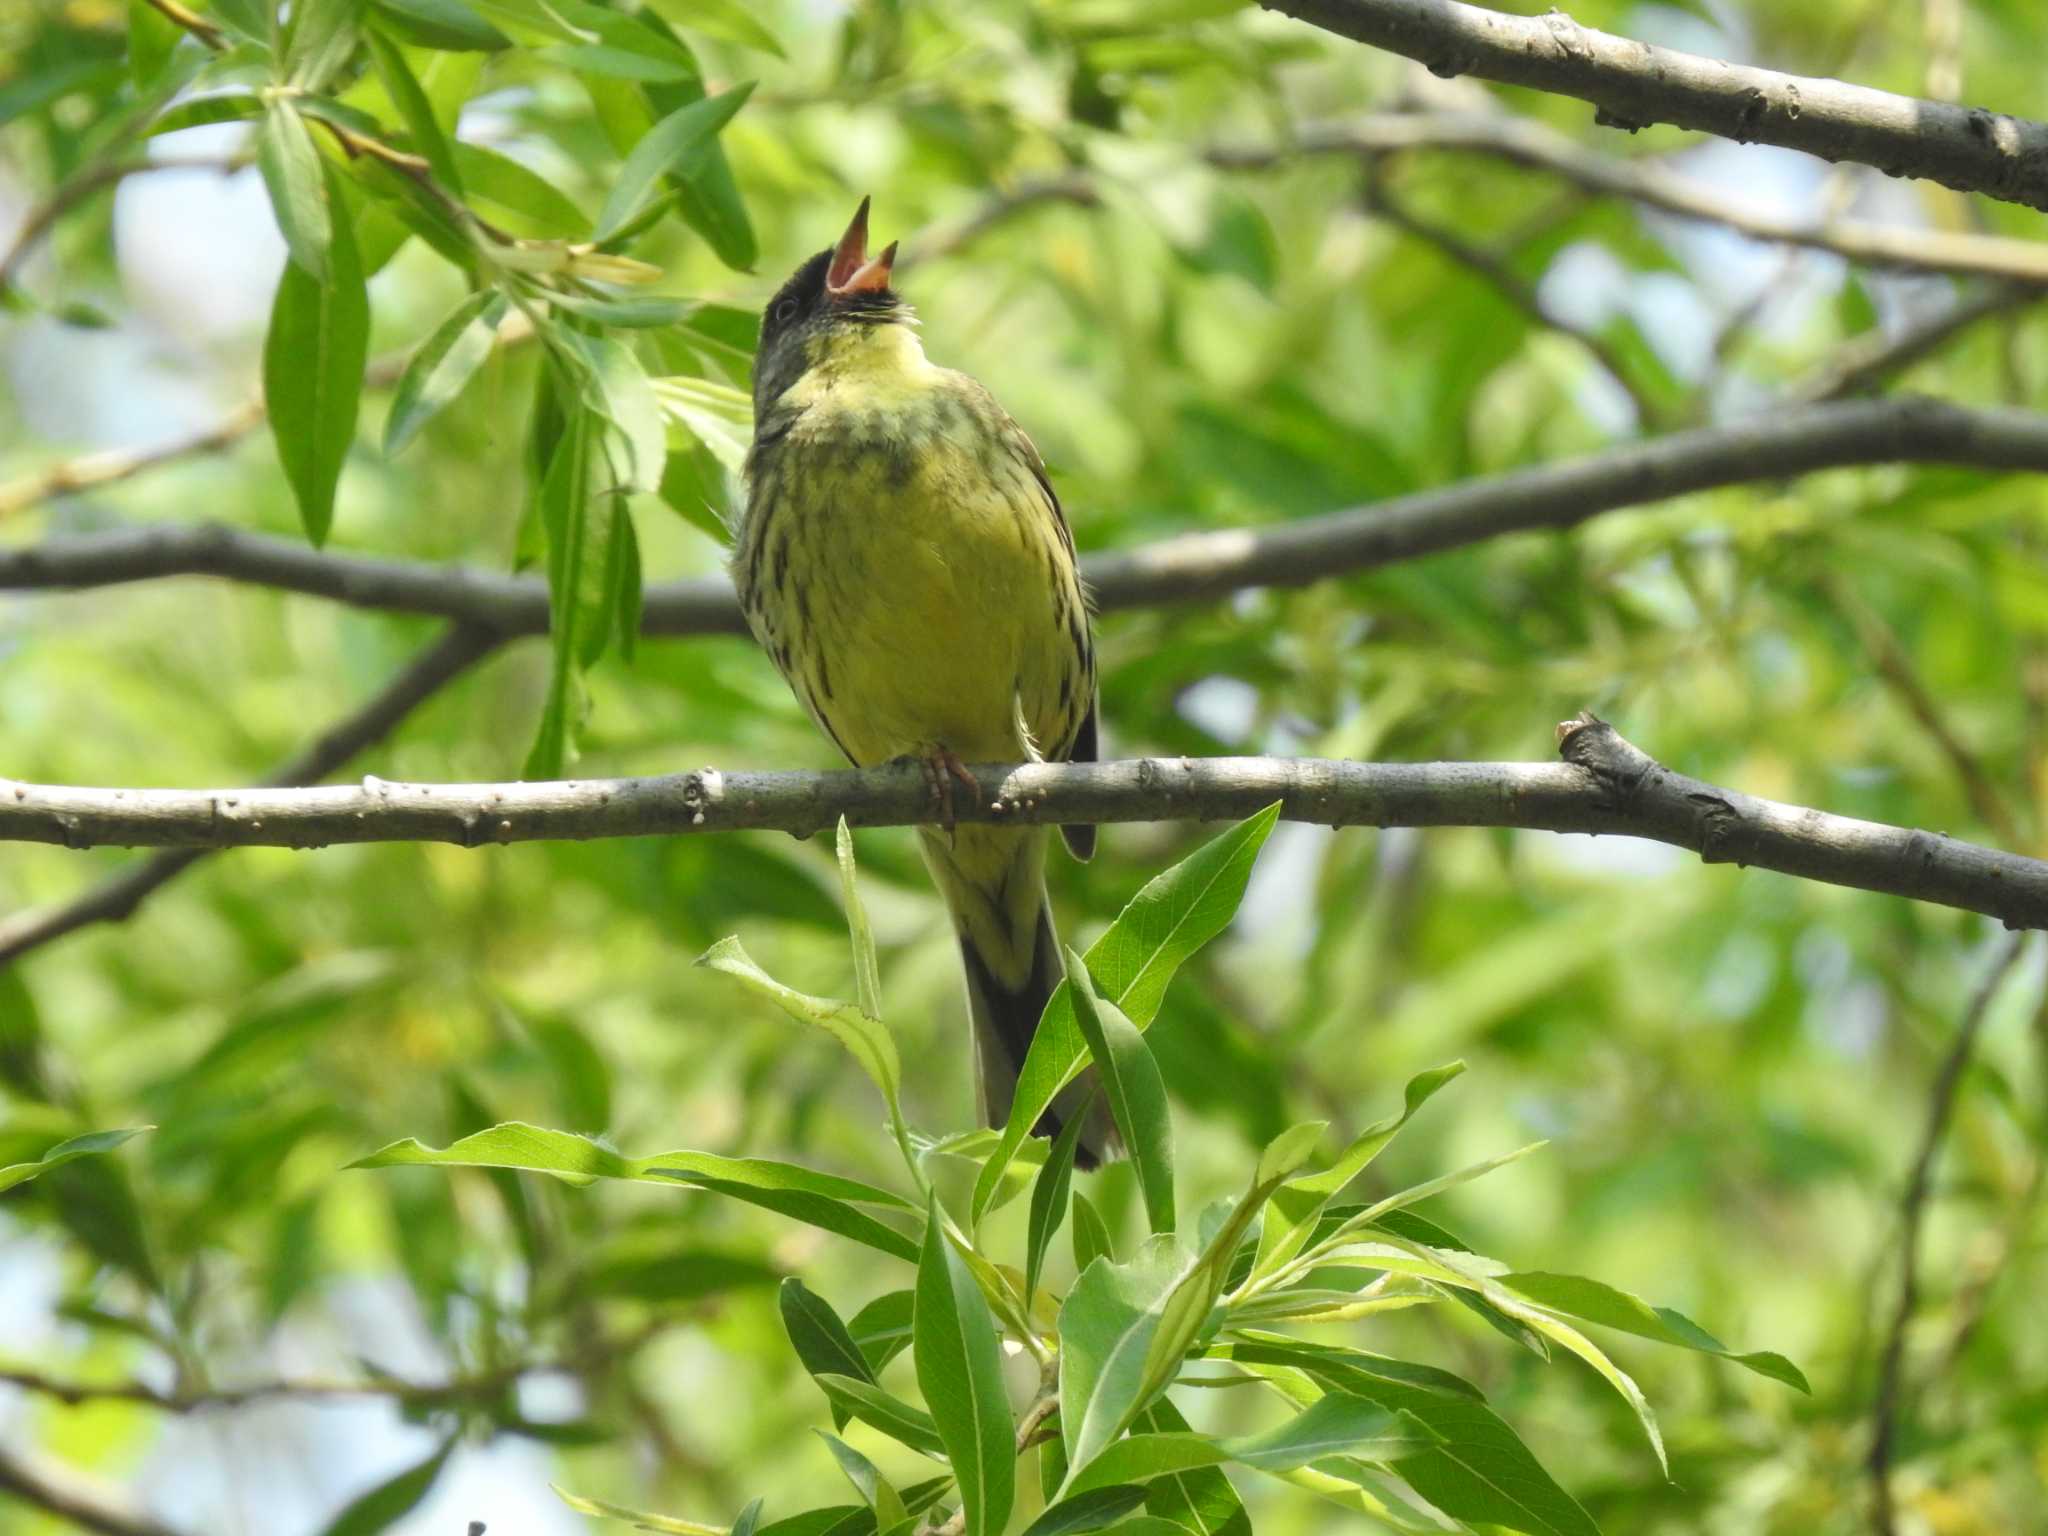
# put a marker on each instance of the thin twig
(1872, 358)
(1896, 668)
(85, 184)
(1604, 785)
(1635, 84)
(115, 900)
(192, 22)
(1192, 567)
(1913, 1210)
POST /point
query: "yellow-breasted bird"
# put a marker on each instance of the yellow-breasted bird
(907, 566)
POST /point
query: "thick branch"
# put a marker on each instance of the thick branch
(116, 899)
(1635, 84)
(1190, 567)
(77, 1504)
(1604, 785)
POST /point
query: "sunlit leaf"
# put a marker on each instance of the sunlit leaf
(960, 1372)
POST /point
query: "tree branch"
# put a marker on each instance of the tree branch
(1869, 359)
(1604, 785)
(1190, 567)
(1635, 84)
(1913, 1209)
(115, 900)
(1526, 142)
(75, 1504)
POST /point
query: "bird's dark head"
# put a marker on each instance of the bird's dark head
(834, 300)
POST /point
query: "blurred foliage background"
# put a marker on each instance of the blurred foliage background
(1735, 1067)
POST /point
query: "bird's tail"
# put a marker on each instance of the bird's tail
(993, 882)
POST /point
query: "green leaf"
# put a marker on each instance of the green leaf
(619, 390)
(1091, 1235)
(450, 25)
(1049, 1196)
(391, 1500)
(151, 37)
(1199, 1498)
(1173, 916)
(730, 21)
(716, 415)
(820, 1339)
(442, 364)
(1594, 1301)
(866, 972)
(666, 1525)
(1334, 1425)
(1139, 1458)
(880, 1495)
(323, 34)
(674, 146)
(1134, 1088)
(515, 195)
(1107, 1325)
(882, 1410)
(313, 360)
(1428, 1188)
(1475, 1468)
(297, 182)
(424, 128)
(960, 1372)
(1340, 1367)
(646, 313)
(749, 1521)
(204, 111)
(1297, 1203)
(1089, 1511)
(253, 19)
(865, 1038)
(565, 513)
(882, 1328)
(90, 1144)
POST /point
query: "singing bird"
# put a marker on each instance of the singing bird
(905, 562)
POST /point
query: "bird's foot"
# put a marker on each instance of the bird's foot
(942, 766)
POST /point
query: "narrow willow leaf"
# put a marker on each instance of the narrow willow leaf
(865, 1038)
(650, 313)
(1296, 1204)
(565, 518)
(665, 1525)
(866, 972)
(749, 1521)
(1107, 1325)
(313, 360)
(882, 1328)
(579, 1160)
(1436, 1186)
(1049, 1196)
(450, 25)
(716, 416)
(403, 87)
(91, 1144)
(1089, 1511)
(1198, 1499)
(1593, 1301)
(1091, 1235)
(391, 1500)
(1173, 916)
(730, 21)
(442, 365)
(1341, 1367)
(675, 145)
(821, 1211)
(960, 1372)
(297, 183)
(820, 1339)
(205, 111)
(876, 1490)
(1134, 1088)
(1139, 1458)
(323, 34)
(619, 390)
(513, 194)
(1335, 1425)
(883, 1410)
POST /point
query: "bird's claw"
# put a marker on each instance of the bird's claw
(942, 766)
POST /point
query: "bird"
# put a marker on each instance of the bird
(904, 561)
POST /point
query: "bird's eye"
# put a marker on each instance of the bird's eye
(785, 311)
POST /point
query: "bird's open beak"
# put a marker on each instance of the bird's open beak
(851, 271)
